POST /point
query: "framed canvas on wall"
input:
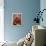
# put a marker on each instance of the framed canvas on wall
(16, 19)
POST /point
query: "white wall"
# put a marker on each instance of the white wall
(1, 20)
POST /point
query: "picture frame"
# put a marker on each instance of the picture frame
(16, 19)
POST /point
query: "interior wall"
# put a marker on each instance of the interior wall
(28, 8)
(1, 20)
(43, 6)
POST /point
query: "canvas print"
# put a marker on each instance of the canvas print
(16, 19)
